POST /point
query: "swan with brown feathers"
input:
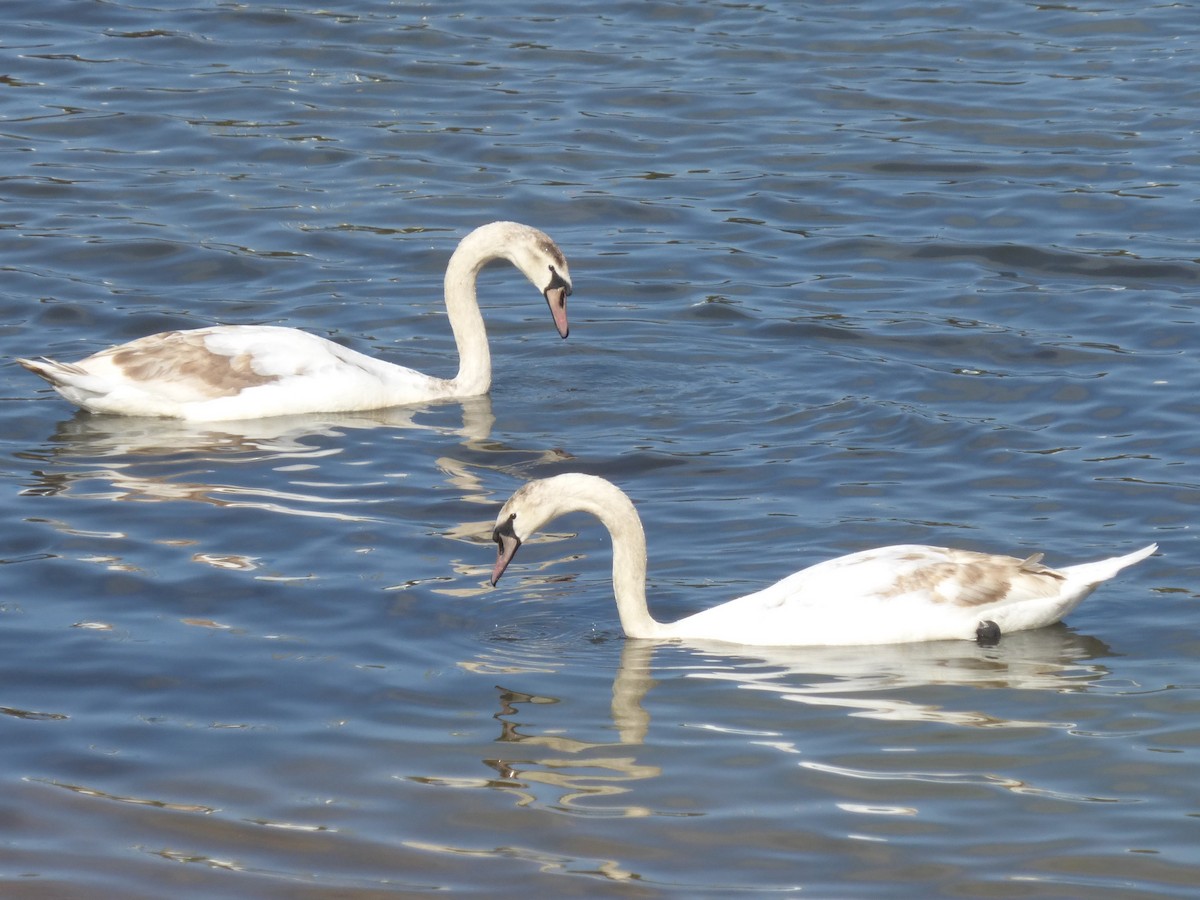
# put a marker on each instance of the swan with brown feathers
(890, 595)
(232, 372)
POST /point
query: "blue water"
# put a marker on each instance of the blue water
(845, 275)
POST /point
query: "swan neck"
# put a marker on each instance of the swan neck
(629, 566)
(466, 322)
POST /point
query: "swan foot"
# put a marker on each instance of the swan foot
(987, 633)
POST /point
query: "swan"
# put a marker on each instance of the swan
(891, 595)
(233, 372)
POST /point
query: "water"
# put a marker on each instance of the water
(846, 275)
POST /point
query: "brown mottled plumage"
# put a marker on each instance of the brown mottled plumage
(184, 356)
(976, 579)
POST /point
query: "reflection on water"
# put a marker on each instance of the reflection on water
(551, 767)
(867, 680)
(577, 772)
(151, 460)
(360, 470)
(983, 779)
(137, 801)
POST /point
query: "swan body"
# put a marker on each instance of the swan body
(231, 372)
(890, 595)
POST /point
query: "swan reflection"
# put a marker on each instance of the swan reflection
(578, 772)
(881, 682)
(132, 459)
(101, 435)
(886, 683)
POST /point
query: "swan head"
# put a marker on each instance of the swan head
(535, 254)
(531, 507)
(539, 502)
(507, 545)
(544, 264)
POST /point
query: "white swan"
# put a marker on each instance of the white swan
(230, 372)
(887, 596)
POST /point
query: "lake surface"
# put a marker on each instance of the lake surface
(845, 275)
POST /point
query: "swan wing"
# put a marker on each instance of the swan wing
(232, 372)
(891, 595)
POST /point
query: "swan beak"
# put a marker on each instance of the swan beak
(556, 295)
(507, 544)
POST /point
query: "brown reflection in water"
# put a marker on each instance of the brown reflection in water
(581, 771)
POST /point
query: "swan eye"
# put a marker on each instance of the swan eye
(557, 281)
(500, 532)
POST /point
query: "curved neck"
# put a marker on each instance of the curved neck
(617, 513)
(474, 252)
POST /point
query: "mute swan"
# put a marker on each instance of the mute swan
(230, 372)
(887, 596)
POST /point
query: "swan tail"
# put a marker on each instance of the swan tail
(1095, 572)
(53, 371)
(48, 369)
(74, 382)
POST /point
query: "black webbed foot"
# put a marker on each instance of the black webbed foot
(987, 634)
